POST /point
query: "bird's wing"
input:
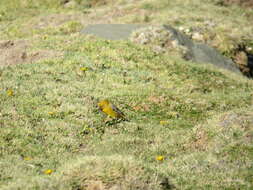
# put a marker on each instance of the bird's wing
(118, 110)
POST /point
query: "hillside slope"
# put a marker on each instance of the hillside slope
(190, 125)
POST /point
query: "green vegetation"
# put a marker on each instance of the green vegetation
(54, 137)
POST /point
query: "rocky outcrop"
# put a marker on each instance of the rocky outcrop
(163, 38)
(202, 53)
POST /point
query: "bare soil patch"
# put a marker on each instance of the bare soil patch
(243, 3)
(14, 52)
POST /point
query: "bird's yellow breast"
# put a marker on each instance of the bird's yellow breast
(108, 110)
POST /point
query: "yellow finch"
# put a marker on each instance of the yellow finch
(110, 109)
(160, 158)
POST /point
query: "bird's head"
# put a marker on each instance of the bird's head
(103, 103)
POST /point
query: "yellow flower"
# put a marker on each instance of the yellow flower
(87, 130)
(48, 172)
(27, 158)
(110, 109)
(163, 122)
(51, 113)
(84, 69)
(45, 37)
(10, 92)
(160, 158)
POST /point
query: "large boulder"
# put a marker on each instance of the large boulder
(202, 53)
(168, 37)
(111, 31)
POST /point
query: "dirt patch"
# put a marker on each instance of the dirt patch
(157, 99)
(245, 120)
(16, 52)
(241, 59)
(200, 142)
(243, 3)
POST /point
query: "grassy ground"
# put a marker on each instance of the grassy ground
(197, 117)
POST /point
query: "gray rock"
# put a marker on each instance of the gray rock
(202, 53)
(112, 31)
(197, 52)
